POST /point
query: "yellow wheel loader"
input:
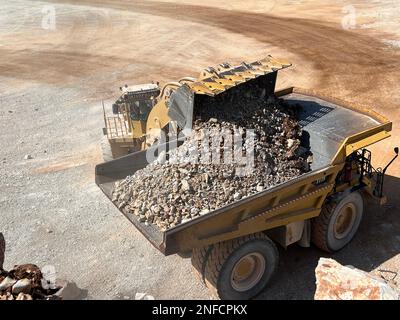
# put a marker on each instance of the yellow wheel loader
(233, 248)
(125, 130)
(142, 112)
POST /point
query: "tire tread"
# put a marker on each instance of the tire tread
(221, 252)
(320, 226)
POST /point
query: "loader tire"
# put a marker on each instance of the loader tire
(338, 222)
(106, 149)
(239, 269)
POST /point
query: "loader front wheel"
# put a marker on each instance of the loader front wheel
(239, 269)
(338, 222)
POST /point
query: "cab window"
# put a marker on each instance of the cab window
(139, 110)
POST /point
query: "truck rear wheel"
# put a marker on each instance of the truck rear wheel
(239, 268)
(338, 222)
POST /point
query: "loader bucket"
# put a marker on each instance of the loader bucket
(223, 83)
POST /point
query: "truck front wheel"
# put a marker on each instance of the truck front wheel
(239, 268)
(338, 222)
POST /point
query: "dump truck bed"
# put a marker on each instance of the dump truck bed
(333, 130)
(328, 125)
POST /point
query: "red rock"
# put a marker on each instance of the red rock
(28, 271)
(337, 282)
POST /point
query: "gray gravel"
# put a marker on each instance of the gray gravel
(56, 191)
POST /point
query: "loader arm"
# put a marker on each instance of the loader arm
(158, 117)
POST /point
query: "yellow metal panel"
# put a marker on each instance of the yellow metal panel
(247, 74)
(236, 78)
(291, 205)
(214, 85)
(256, 72)
(264, 213)
(291, 217)
(158, 117)
(361, 140)
(350, 148)
(199, 87)
(138, 128)
(225, 82)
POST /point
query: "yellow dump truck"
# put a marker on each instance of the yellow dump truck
(233, 248)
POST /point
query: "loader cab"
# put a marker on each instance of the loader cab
(140, 109)
(137, 101)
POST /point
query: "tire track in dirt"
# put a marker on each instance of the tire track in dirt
(349, 64)
(348, 61)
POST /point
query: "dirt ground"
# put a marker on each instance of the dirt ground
(55, 72)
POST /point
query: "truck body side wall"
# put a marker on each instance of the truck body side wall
(300, 200)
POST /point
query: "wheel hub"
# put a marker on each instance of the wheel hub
(248, 271)
(344, 221)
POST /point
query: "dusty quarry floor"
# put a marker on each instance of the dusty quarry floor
(54, 76)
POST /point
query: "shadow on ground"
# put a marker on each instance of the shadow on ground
(377, 241)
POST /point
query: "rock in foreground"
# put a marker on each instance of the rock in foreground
(26, 282)
(337, 282)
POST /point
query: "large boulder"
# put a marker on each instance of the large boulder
(338, 282)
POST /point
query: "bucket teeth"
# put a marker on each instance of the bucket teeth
(275, 63)
(225, 65)
(214, 80)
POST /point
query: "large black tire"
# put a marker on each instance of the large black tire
(220, 266)
(338, 222)
(106, 149)
(199, 259)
